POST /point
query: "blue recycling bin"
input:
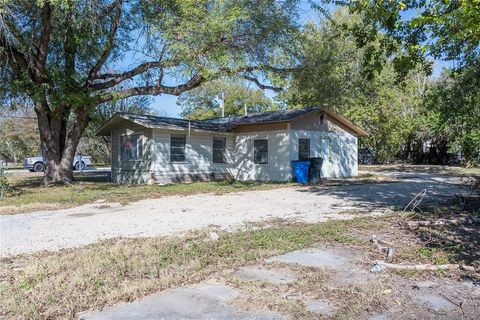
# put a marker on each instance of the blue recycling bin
(300, 171)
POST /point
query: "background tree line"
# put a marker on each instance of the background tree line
(410, 115)
(370, 60)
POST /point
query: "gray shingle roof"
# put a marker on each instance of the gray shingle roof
(156, 121)
(263, 117)
(218, 124)
(226, 124)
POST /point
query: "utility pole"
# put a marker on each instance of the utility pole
(222, 103)
(245, 108)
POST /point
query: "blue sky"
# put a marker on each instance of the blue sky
(166, 105)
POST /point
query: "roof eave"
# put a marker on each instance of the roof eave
(103, 127)
(356, 129)
(280, 121)
(102, 131)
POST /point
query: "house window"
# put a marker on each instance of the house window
(177, 148)
(260, 148)
(131, 147)
(303, 149)
(219, 149)
(322, 119)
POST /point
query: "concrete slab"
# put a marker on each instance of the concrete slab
(322, 307)
(425, 284)
(202, 302)
(330, 258)
(275, 276)
(435, 302)
(379, 316)
(351, 276)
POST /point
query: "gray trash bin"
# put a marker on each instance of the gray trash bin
(315, 170)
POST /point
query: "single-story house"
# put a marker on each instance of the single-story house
(259, 146)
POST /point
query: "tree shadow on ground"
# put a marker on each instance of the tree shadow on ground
(460, 238)
(373, 196)
(427, 169)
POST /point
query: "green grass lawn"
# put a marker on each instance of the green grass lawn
(26, 193)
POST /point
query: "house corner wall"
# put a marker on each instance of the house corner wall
(278, 166)
(329, 141)
(129, 171)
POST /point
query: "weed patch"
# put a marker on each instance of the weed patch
(58, 285)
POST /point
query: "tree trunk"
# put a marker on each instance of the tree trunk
(59, 144)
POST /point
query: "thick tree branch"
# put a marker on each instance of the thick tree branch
(15, 55)
(110, 41)
(175, 90)
(117, 78)
(265, 67)
(105, 76)
(16, 58)
(70, 52)
(194, 82)
(260, 85)
(41, 57)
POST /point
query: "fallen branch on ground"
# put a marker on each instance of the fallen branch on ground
(416, 201)
(381, 265)
(383, 246)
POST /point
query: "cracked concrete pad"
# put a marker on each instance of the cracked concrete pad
(330, 258)
(322, 307)
(202, 302)
(435, 302)
(275, 276)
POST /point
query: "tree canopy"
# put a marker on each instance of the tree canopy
(67, 57)
(409, 116)
(446, 30)
(205, 101)
(74, 62)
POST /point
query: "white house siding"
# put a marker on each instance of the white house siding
(129, 171)
(198, 163)
(329, 141)
(338, 151)
(278, 166)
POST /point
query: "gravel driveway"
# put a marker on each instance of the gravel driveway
(67, 228)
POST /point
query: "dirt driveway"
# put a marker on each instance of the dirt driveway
(53, 230)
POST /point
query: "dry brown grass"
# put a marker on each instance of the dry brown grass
(58, 285)
(27, 194)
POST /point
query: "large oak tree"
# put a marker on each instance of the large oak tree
(68, 57)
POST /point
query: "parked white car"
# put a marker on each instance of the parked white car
(36, 164)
